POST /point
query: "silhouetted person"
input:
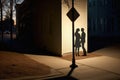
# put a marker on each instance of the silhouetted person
(83, 36)
(77, 41)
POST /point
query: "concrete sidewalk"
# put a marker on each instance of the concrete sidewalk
(53, 62)
(105, 63)
(97, 68)
(103, 67)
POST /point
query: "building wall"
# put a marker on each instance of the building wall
(24, 21)
(103, 17)
(47, 25)
(81, 22)
(103, 22)
(50, 26)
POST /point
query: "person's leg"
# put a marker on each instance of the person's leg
(84, 50)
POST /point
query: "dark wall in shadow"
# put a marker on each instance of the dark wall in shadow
(97, 42)
(103, 23)
(38, 27)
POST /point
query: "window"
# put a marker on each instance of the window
(94, 3)
(112, 24)
(102, 3)
(89, 3)
(106, 2)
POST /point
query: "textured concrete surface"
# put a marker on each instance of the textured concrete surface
(105, 67)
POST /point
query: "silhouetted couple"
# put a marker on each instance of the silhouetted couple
(80, 41)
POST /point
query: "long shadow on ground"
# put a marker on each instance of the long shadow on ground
(67, 77)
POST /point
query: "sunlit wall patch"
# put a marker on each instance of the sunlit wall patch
(81, 22)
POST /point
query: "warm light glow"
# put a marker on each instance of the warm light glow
(14, 21)
(81, 22)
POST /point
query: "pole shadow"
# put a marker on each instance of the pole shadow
(67, 77)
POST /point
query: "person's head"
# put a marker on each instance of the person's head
(82, 29)
(77, 30)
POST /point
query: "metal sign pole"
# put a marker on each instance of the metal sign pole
(73, 56)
